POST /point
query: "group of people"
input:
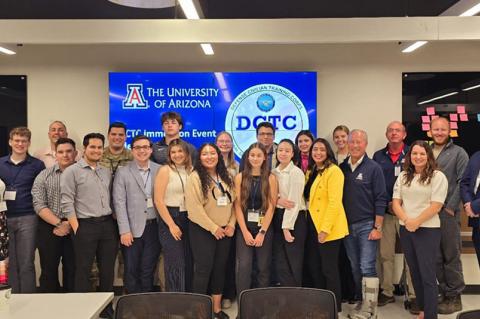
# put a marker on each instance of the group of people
(296, 213)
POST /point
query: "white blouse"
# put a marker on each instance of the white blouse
(291, 182)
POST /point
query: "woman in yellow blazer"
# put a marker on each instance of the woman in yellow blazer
(327, 223)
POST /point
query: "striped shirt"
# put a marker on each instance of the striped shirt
(46, 191)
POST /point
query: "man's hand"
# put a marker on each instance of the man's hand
(63, 229)
(126, 239)
(375, 235)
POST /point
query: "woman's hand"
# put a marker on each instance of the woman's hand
(288, 236)
(229, 231)
(259, 240)
(175, 231)
(285, 203)
(412, 224)
(322, 237)
(219, 233)
(249, 241)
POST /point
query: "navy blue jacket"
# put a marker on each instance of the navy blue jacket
(388, 167)
(467, 186)
(20, 177)
(364, 191)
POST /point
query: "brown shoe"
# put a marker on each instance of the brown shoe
(457, 303)
(446, 307)
(384, 299)
(414, 308)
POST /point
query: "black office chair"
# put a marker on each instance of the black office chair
(287, 303)
(159, 305)
(470, 314)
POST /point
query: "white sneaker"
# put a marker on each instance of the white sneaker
(226, 303)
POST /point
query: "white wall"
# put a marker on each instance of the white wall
(358, 85)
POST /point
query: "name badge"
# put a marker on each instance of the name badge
(253, 216)
(10, 195)
(398, 169)
(149, 202)
(222, 201)
(3, 206)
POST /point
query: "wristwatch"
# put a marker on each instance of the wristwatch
(377, 227)
(262, 231)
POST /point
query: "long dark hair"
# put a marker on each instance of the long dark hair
(295, 150)
(247, 178)
(409, 168)
(221, 170)
(308, 134)
(314, 170)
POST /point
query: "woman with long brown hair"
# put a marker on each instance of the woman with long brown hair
(256, 188)
(418, 196)
(170, 185)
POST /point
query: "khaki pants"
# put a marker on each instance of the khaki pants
(386, 257)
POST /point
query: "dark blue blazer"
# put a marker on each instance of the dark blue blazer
(467, 186)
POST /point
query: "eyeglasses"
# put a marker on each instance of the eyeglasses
(145, 148)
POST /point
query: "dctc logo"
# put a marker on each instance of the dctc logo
(260, 103)
(135, 98)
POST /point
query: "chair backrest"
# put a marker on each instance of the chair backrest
(470, 314)
(288, 303)
(164, 305)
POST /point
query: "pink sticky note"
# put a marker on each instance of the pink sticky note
(464, 117)
(461, 109)
(431, 110)
(425, 127)
(454, 125)
(425, 119)
(454, 117)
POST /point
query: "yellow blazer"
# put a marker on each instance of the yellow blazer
(325, 205)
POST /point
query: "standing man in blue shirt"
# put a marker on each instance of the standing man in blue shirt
(18, 170)
(391, 159)
(365, 201)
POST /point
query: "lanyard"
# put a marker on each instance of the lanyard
(255, 188)
(219, 185)
(181, 180)
(114, 168)
(146, 180)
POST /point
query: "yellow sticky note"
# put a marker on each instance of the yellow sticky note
(453, 133)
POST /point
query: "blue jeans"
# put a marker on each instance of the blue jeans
(361, 252)
(22, 231)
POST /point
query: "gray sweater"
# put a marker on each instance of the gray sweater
(452, 161)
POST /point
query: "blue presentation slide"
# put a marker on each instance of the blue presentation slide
(211, 102)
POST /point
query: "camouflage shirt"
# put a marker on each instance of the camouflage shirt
(113, 162)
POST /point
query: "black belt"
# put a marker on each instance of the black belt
(97, 219)
(150, 221)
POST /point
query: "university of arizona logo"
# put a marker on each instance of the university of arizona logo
(135, 98)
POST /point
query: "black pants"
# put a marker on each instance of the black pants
(230, 289)
(244, 261)
(53, 249)
(177, 254)
(323, 263)
(140, 260)
(95, 237)
(209, 260)
(476, 241)
(288, 257)
(421, 249)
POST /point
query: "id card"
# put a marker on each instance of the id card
(260, 220)
(222, 201)
(397, 170)
(3, 206)
(253, 216)
(149, 202)
(10, 195)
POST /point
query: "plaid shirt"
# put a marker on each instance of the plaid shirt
(46, 191)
